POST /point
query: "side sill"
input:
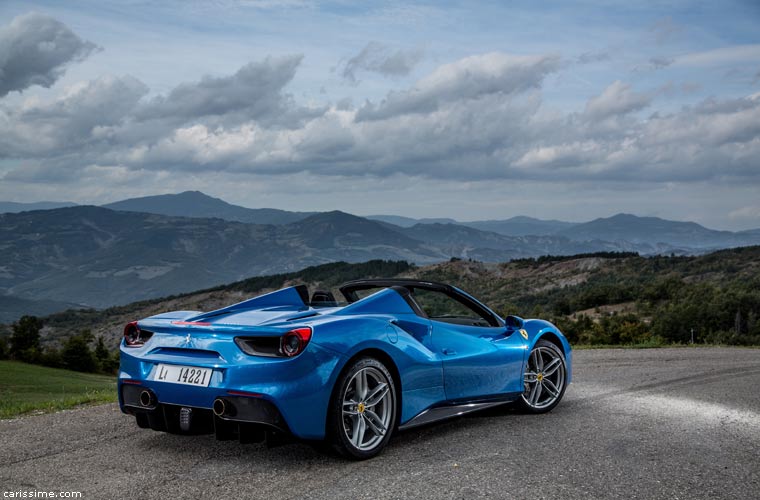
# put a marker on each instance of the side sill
(448, 411)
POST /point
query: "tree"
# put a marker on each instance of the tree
(77, 354)
(106, 362)
(738, 322)
(25, 339)
(51, 357)
(562, 306)
(752, 323)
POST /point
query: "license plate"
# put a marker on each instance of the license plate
(188, 375)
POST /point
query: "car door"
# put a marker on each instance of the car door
(479, 359)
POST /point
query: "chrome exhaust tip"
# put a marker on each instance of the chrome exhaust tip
(219, 407)
(147, 398)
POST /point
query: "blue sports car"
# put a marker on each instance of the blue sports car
(393, 355)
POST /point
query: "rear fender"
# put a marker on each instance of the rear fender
(420, 370)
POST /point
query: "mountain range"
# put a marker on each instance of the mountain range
(15, 207)
(197, 204)
(161, 245)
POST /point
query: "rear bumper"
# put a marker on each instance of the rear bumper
(279, 394)
(248, 420)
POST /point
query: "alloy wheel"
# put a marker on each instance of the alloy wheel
(367, 408)
(544, 380)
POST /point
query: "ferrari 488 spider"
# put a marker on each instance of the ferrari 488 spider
(393, 355)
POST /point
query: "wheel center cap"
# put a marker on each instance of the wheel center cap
(360, 408)
(540, 377)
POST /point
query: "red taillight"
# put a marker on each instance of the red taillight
(294, 342)
(131, 334)
(134, 337)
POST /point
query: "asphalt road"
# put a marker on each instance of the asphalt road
(661, 423)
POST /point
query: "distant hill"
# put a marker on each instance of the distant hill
(14, 207)
(515, 226)
(340, 230)
(401, 221)
(459, 240)
(521, 226)
(750, 232)
(197, 204)
(11, 308)
(624, 231)
(595, 298)
(99, 257)
(653, 230)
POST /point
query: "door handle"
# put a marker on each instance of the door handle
(448, 352)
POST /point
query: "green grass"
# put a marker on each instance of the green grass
(26, 388)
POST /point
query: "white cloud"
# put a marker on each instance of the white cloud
(35, 49)
(617, 99)
(379, 58)
(562, 155)
(255, 91)
(468, 78)
(467, 120)
(84, 116)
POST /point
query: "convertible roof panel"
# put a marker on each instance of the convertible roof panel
(392, 300)
(294, 296)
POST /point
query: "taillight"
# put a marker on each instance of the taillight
(291, 344)
(260, 346)
(134, 336)
(294, 342)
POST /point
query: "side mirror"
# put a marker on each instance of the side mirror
(514, 322)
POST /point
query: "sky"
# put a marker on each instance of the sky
(567, 110)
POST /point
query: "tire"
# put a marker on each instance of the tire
(363, 410)
(544, 380)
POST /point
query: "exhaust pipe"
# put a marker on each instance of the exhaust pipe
(223, 408)
(147, 398)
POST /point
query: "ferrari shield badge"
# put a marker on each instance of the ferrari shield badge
(524, 333)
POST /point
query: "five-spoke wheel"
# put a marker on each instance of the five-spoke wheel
(545, 378)
(364, 409)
